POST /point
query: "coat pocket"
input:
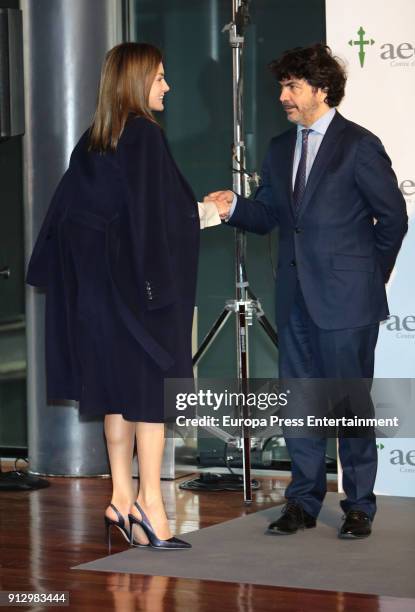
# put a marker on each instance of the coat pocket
(363, 263)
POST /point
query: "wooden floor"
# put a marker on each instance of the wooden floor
(45, 532)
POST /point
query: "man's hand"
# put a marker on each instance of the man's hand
(222, 200)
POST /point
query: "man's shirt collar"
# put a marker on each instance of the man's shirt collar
(321, 124)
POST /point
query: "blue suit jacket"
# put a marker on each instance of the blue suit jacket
(344, 242)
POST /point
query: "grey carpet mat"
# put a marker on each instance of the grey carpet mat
(238, 551)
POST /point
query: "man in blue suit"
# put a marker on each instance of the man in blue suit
(329, 186)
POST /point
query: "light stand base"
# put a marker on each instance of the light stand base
(208, 481)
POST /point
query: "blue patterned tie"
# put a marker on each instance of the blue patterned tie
(300, 179)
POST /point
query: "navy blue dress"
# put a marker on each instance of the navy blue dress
(117, 254)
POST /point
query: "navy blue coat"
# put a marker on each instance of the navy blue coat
(341, 258)
(117, 254)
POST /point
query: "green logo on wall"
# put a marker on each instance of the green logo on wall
(361, 44)
(380, 446)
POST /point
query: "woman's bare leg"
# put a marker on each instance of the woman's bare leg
(150, 446)
(119, 434)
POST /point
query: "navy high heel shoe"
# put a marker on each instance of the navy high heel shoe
(155, 542)
(120, 524)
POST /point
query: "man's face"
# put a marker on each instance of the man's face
(302, 103)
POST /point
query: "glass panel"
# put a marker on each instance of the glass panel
(12, 318)
(199, 125)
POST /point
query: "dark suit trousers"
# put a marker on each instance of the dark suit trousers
(307, 351)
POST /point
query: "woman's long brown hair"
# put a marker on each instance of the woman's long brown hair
(127, 75)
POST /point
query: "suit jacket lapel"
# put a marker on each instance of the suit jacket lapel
(324, 155)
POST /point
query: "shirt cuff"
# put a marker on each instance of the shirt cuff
(232, 208)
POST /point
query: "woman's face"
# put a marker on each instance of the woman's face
(158, 89)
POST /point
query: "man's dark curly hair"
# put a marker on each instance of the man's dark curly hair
(317, 66)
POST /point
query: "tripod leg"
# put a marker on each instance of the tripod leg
(263, 320)
(246, 460)
(242, 333)
(267, 327)
(211, 335)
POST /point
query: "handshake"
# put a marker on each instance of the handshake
(222, 200)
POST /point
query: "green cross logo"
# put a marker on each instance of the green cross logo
(361, 43)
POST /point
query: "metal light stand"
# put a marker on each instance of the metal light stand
(245, 305)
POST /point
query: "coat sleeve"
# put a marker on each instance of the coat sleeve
(47, 244)
(260, 214)
(377, 182)
(144, 165)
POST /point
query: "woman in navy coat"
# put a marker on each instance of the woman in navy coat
(118, 255)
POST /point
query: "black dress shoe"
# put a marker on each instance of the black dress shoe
(293, 518)
(356, 524)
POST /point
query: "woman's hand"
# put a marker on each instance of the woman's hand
(222, 200)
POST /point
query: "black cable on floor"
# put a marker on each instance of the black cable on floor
(208, 481)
